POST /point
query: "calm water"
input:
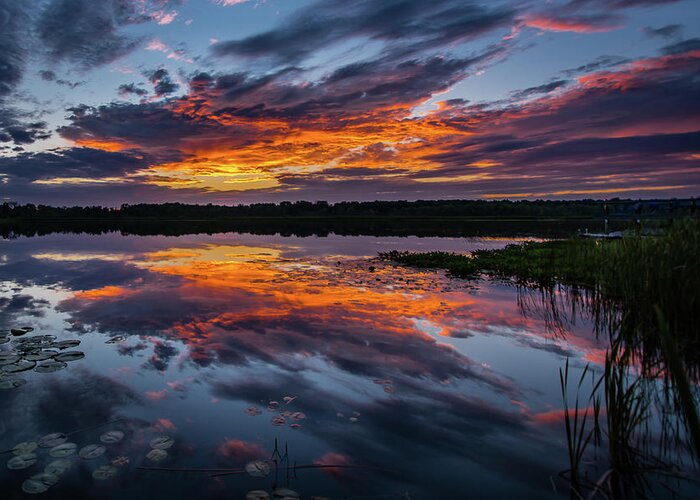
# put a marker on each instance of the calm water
(433, 387)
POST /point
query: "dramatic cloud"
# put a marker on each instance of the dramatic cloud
(341, 100)
(131, 88)
(668, 31)
(407, 27)
(162, 82)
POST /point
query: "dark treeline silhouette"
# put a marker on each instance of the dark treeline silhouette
(370, 226)
(415, 209)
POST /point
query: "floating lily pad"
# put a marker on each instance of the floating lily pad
(91, 451)
(27, 328)
(21, 461)
(17, 332)
(52, 440)
(39, 355)
(112, 437)
(7, 358)
(162, 442)
(20, 366)
(39, 483)
(50, 366)
(156, 455)
(120, 461)
(257, 495)
(116, 339)
(63, 450)
(285, 494)
(253, 411)
(24, 448)
(11, 383)
(65, 344)
(104, 472)
(258, 468)
(69, 356)
(59, 466)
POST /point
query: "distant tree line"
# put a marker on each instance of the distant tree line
(423, 208)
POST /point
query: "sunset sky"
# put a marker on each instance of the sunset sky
(240, 101)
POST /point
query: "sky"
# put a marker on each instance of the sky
(243, 101)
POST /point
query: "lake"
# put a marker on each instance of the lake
(328, 372)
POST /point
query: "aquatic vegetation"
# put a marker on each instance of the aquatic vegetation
(112, 437)
(156, 455)
(63, 450)
(162, 442)
(41, 353)
(91, 451)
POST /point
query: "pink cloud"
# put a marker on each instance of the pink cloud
(571, 24)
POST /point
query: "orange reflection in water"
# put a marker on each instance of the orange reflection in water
(237, 303)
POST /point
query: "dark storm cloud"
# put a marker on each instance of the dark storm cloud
(162, 82)
(146, 124)
(601, 62)
(540, 89)
(682, 47)
(86, 31)
(89, 32)
(19, 131)
(14, 21)
(73, 162)
(408, 26)
(585, 149)
(131, 88)
(50, 76)
(668, 31)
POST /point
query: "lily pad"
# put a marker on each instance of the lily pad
(17, 332)
(253, 411)
(285, 494)
(11, 383)
(39, 483)
(39, 355)
(63, 450)
(52, 440)
(116, 339)
(112, 437)
(27, 328)
(104, 472)
(65, 344)
(162, 442)
(91, 451)
(20, 366)
(257, 495)
(24, 448)
(120, 461)
(156, 455)
(258, 468)
(69, 356)
(50, 366)
(7, 358)
(59, 466)
(21, 461)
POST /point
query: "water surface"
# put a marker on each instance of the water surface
(232, 344)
